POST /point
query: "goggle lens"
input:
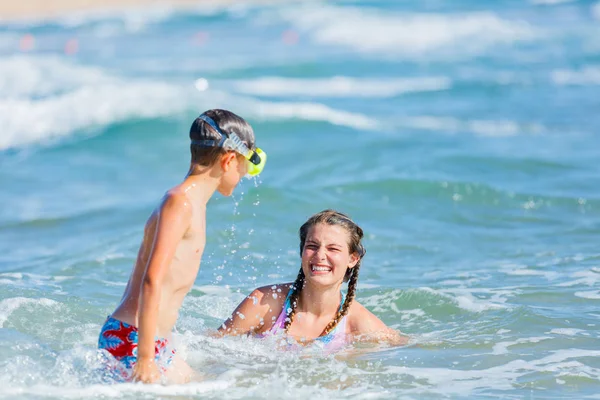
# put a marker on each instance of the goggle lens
(255, 169)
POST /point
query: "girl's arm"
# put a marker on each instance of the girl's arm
(366, 327)
(257, 312)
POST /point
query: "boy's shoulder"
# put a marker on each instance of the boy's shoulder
(176, 200)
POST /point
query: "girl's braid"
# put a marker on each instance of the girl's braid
(296, 288)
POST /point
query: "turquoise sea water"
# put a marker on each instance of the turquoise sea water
(464, 137)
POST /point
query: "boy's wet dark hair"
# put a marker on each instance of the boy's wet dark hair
(355, 235)
(227, 122)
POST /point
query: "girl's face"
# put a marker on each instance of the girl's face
(326, 255)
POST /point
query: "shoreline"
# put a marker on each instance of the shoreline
(47, 9)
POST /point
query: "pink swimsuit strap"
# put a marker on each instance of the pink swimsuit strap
(337, 335)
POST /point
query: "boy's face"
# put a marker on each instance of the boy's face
(234, 167)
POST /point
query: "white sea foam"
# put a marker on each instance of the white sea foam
(111, 256)
(470, 299)
(471, 303)
(14, 275)
(467, 299)
(588, 75)
(216, 305)
(29, 280)
(591, 294)
(46, 98)
(23, 77)
(118, 391)
(502, 347)
(501, 377)
(8, 306)
(311, 112)
(214, 290)
(380, 303)
(37, 121)
(409, 34)
(340, 86)
(411, 318)
(30, 121)
(566, 354)
(491, 128)
(567, 331)
(586, 278)
(111, 283)
(522, 270)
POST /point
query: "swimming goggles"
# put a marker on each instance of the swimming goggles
(231, 141)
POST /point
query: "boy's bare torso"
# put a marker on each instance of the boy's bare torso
(179, 278)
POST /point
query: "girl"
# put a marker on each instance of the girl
(313, 308)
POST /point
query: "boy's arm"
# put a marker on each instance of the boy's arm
(253, 313)
(173, 221)
(366, 327)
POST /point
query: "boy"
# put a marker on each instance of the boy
(138, 331)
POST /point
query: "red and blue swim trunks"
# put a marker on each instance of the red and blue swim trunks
(121, 341)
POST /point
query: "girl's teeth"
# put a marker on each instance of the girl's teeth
(315, 268)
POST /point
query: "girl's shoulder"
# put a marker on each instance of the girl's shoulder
(267, 302)
(360, 320)
(272, 294)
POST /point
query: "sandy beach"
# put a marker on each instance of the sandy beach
(25, 9)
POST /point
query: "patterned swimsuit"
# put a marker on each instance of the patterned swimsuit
(334, 340)
(121, 340)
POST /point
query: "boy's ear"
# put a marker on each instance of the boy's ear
(226, 160)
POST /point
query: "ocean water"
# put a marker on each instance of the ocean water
(464, 137)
